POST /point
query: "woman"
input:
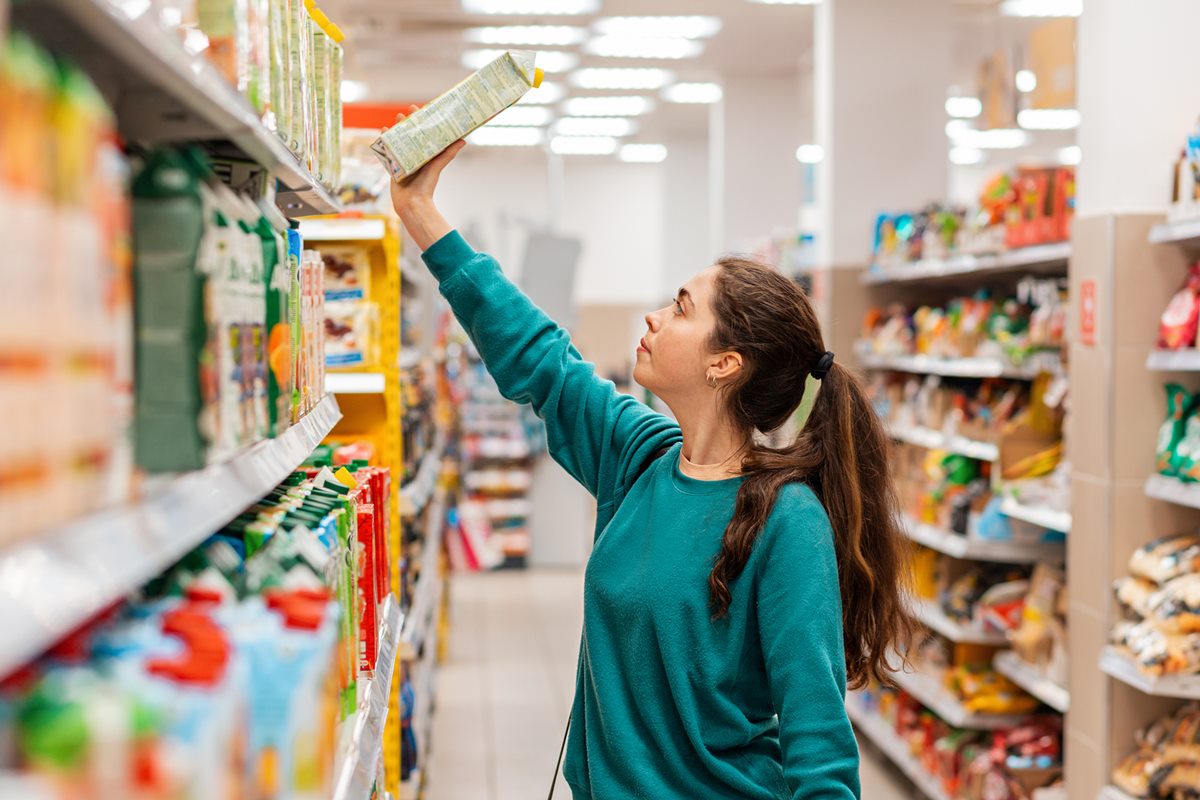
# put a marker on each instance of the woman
(733, 589)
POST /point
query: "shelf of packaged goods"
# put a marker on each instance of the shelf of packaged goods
(1187, 360)
(360, 766)
(343, 229)
(355, 382)
(1173, 490)
(1037, 515)
(969, 548)
(415, 494)
(1029, 678)
(167, 94)
(963, 367)
(936, 440)
(877, 730)
(1184, 231)
(410, 358)
(1120, 666)
(426, 593)
(423, 684)
(1113, 793)
(1046, 258)
(54, 583)
(931, 615)
(931, 694)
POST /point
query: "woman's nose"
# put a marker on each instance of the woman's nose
(651, 321)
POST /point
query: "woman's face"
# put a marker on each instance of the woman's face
(673, 357)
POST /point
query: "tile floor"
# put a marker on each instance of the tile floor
(506, 688)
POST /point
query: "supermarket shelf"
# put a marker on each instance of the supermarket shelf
(1040, 258)
(1174, 360)
(963, 367)
(409, 357)
(963, 547)
(1117, 665)
(1173, 490)
(935, 440)
(52, 584)
(1030, 679)
(932, 616)
(343, 229)
(426, 593)
(931, 694)
(355, 382)
(167, 94)
(415, 494)
(358, 771)
(1113, 793)
(879, 732)
(1186, 231)
(1036, 515)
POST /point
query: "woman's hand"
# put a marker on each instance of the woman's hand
(412, 197)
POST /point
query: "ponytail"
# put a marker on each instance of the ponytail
(841, 453)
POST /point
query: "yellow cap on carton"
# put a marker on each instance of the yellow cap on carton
(335, 32)
(538, 74)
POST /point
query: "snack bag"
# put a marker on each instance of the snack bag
(1157, 653)
(1166, 558)
(1179, 321)
(1171, 431)
(1135, 593)
(411, 143)
(1186, 463)
(1175, 608)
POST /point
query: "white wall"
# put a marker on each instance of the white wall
(616, 208)
(687, 248)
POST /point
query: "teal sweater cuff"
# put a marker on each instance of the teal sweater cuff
(448, 255)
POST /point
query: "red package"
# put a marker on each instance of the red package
(1179, 320)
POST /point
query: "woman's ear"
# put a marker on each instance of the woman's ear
(724, 366)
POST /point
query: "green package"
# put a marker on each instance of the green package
(1171, 431)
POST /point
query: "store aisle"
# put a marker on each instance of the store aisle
(506, 687)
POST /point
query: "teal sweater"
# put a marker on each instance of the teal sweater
(668, 703)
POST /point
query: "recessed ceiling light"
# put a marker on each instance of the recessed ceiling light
(643, 47)
(506, 137)
(543, 95)
(692, 93)
(620, 78)
(583, 145)
(964, 107)
(547, 60)
(1048, 119)
(521, 116)
(965, 156)
(1025, 80)
(1070, 156)
(1041, 8)
(630, 106)
(994, 139)
(643, 153)
(527, 35)
(956, 127)
(674, 27)
(595, 126)
(353, 91)
(810, 154)
(545, 7)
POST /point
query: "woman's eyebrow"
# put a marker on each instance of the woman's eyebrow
(684, 294)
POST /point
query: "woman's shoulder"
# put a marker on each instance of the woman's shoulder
(798, 516)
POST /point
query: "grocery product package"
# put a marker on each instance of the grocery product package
(1171, 430)
(1181, 318)
(412, 142)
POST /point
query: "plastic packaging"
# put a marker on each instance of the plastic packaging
(1181, 318)
(412, 142)
(337, 57)
(279, 67)
(1166, 558)
(1171, 430)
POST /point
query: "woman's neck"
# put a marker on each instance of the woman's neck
(712, 449)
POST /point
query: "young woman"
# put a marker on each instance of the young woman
(734, 589)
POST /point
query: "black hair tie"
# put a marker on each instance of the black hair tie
(823, 365)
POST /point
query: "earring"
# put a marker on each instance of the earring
(711, 380)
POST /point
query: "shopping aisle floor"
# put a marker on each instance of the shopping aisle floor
(506, 687)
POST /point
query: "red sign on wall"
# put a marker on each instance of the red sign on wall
(1087, 312)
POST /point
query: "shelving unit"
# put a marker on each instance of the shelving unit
(1182, 232)
(1117, 665)
(1174, 360)
(1113, 793)
(1173, 490)
(358, 770)
(1028, 677)
(877, 731)
(1036, 515)
(355, 382)
(962, 367)
(168, 94)
(426, 594)
(58, 581)
(965, 547)
(932, 616)
(1041, 258)
(931, 694)
(415, 494)
(936, 440)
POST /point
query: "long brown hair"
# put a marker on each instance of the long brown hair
(841, 453)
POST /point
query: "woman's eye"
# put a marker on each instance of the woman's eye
(678, 308)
